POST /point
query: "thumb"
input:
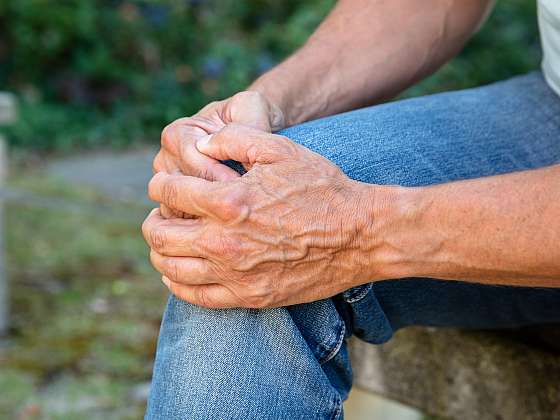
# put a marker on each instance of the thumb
(246, 145)
(266, 117)
(253, 109)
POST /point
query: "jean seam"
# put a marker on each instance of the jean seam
(325, 345)
(338, 410)
(337, 346)
(360, 295)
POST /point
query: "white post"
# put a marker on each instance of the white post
(8, 112)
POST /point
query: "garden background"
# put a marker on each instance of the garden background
(107, 75)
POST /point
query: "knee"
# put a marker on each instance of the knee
(192, 331)
(189, 327)
(395, 143)
(369, 145)
(202, 355)
(234, 363)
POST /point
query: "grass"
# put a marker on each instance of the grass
(85, 307)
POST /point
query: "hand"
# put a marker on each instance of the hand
(292, 229)
(178, 152)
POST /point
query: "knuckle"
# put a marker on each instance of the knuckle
(145, 230)
(212, 104)
(153, 188)
(204, 172)
(254, 153)
(210, 272)
(169, 191)
(158, 240)
(260, 295)
(248, 95)
(233, 204)
(158, 164)
(202, 298)
(172, 269)
(282, 144)
(167, 136)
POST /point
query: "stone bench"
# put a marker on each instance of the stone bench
(8, 115)
(467, 375)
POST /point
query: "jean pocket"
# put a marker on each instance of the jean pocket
(321, 326)
(369, 322)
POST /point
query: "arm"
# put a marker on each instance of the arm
(295, 229)
(497, 230)
(367, 51)
(364, 52)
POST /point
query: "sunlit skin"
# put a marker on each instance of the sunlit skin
(294, 228)
(178, 152)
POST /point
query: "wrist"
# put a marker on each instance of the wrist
(392, 238)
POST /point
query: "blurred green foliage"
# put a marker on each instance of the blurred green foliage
(85, 308)
(112, 72)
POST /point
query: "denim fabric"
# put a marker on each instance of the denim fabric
(292, 362)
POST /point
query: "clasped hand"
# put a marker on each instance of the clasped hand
(288, 231)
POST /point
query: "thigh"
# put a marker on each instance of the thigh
(250, 364)
(504, 127)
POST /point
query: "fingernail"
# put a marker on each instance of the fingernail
(165, 281)
(203, 142)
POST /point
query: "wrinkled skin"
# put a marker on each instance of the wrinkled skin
(286, 232)
(178, 152)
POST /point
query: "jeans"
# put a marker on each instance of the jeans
(292, 362)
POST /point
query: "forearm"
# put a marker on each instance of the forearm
(367, 51)
(496, 230)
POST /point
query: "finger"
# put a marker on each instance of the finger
(165, 162)
(178, 131)
(204, 119)
(209, 118)
(251, 108)
(184, 270)
(178, 139)
(173, 237)
(202, 166)
(184, 193)
(248, 108)
(213, 296)
(246, 145)
(168, 213)
(277, 119)
(224, 201)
